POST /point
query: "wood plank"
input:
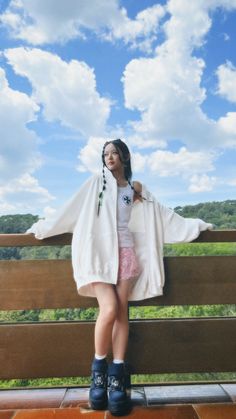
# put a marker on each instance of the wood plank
(156, 346)
(183, 345)
(197, 280)
(215, 236)
(65, 239)
(14, 240)
(34, 284)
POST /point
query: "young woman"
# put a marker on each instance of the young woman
(112, 322)
(119, 230)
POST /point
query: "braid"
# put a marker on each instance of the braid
(137, 193)
(100, 196)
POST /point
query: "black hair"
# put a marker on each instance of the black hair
(124, 155)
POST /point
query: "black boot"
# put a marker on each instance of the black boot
(119, 402)
(98, 389)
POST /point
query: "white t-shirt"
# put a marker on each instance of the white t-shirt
(124, 205)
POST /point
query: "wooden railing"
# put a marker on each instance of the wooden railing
(62, 349)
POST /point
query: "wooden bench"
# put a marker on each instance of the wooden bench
(65, 349)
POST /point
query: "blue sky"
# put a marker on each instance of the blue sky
(159, 74)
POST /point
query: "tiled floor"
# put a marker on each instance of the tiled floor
(212, 401)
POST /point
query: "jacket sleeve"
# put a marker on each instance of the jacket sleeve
(178, 229)
(64, 220)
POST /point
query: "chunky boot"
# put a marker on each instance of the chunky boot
(98, 389)
(119, 402)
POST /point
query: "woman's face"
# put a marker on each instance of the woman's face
(112, 158)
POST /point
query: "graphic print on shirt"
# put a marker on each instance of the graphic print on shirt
(126, 199)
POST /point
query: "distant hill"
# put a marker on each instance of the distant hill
(17, 223)
(222, 214)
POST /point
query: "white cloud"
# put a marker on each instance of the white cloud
(232, 182)
(26, 184)
(19, 158)
(138, 162)
(228, 123)
(167, 88)
(202, 183)
(23, 194)
(48, 212)
(227, 81)
(18, 153)
(183, 163)
(67, 91)
(142, 142)
(90, 155)
(187, 26)
(6, 208)
(226, 4)
(145, 26)
(48, 21)
(226, 37)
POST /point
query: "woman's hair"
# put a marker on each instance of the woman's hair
(124, 155)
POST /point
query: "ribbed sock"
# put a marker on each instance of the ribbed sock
(99, 357)
(118, 361)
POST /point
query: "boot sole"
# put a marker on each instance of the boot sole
(120, 408)
(98, 405)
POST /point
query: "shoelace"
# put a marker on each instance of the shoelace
(115, 384)
(99, 379)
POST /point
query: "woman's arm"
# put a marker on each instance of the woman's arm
(178, 229)
(137, 190)
(64, 220)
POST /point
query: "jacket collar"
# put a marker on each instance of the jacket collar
(109, 176)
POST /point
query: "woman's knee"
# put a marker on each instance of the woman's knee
(122, 292)
(122, 312)
(109, 312)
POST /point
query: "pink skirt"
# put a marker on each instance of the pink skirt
(128, 263)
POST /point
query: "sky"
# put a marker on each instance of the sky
(160, 75)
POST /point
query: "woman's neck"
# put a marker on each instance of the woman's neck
(120, 177)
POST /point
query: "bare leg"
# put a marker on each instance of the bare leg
(120, 330)
(107, 300)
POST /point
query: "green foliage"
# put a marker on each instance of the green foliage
(200, 249)
(158, 312)
(59, 314)
(13, 224)
(18, 223)
(8, 253)
(45, 382)
(69, 314)
(19, 316)
(45, 252)
(188, 377)
(221, 214)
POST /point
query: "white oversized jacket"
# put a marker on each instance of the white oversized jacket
(95, 242)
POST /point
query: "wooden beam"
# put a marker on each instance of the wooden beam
(183, 345)
(12, 240)
(216, 236)
(192, 280)
(155, 346)
(35, 284)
